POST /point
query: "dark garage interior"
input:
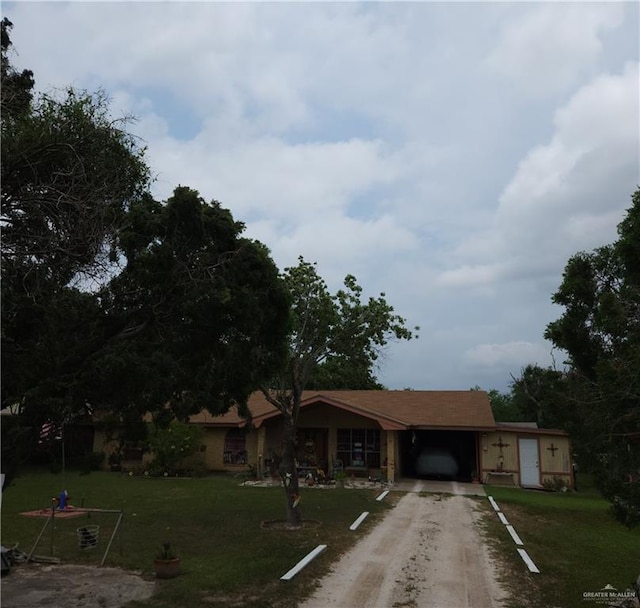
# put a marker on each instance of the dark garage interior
(461, 445)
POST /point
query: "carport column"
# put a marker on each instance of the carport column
(392, 440)
(332, 449)
(261, 444)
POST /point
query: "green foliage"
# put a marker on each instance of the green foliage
(340, 372)
(600, 331)
(199, 314)
(338, 330)
(92, 462)
(555, 484)
(537, 395)
(15, 439)
(166, 552)
(503, 407)
(69, 173)
(16, 87)
(110, 298)
(173, 447)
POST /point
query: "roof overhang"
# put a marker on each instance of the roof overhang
(474, 429)
(387, 423)
(530, 431)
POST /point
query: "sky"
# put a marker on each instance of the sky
(453, 156)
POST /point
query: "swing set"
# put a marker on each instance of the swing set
(87, 535)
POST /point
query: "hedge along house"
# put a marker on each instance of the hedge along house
(383, 433)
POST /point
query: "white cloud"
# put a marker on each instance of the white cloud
(268, 177)
(552, 45)
(481, 275)
(589, 168)
(566, 195)
(511, 354)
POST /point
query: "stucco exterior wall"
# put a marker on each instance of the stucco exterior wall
(554, 456)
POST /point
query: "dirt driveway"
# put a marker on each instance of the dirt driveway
(427, 552)
(72, 586)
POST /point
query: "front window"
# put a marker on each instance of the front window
(235, 447)
(359, 447)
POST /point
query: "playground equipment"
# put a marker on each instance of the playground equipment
(87, 535)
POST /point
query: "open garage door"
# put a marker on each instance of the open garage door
(439, 454)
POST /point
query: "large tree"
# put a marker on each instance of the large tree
(536, 394)
(324, 326)
(69, 175)
(345, 372)
(197, 318)
(502, 406)
(600, 330)
(111, 299)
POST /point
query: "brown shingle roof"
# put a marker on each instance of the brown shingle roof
(393, 409)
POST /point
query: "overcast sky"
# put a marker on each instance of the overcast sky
(451, 155)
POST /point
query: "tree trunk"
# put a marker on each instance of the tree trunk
(289, 474)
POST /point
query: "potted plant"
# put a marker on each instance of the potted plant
(340, 476)
(167, 562)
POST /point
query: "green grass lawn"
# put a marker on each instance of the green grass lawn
(227, 557)
(573, 540)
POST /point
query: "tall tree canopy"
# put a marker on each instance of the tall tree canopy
(325, 327)
(110, 298)
(600, 330)
(535, 394)
(197, 317)
(70, 174)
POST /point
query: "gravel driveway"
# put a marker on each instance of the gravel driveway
(427, 552)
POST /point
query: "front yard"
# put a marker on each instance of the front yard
(228, 557)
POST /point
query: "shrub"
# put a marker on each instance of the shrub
(557, 484)
(92, 462)
(172, 447)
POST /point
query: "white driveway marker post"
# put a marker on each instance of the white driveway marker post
(494, 504)
(381, 497)
(527, 560)
(514, 535)
(303, 562)
(358, 521)
(503, 519)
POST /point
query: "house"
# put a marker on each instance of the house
(383, 434)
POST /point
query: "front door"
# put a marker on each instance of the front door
(529, 462)
(312, 448)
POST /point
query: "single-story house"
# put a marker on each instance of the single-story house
(383, 434)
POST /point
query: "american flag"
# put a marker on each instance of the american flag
(50, 431)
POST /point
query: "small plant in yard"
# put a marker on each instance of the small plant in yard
(339, 477)
(166, 552)
(167, 562)
(557, 484)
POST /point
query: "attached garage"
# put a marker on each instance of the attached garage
(429, 452)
